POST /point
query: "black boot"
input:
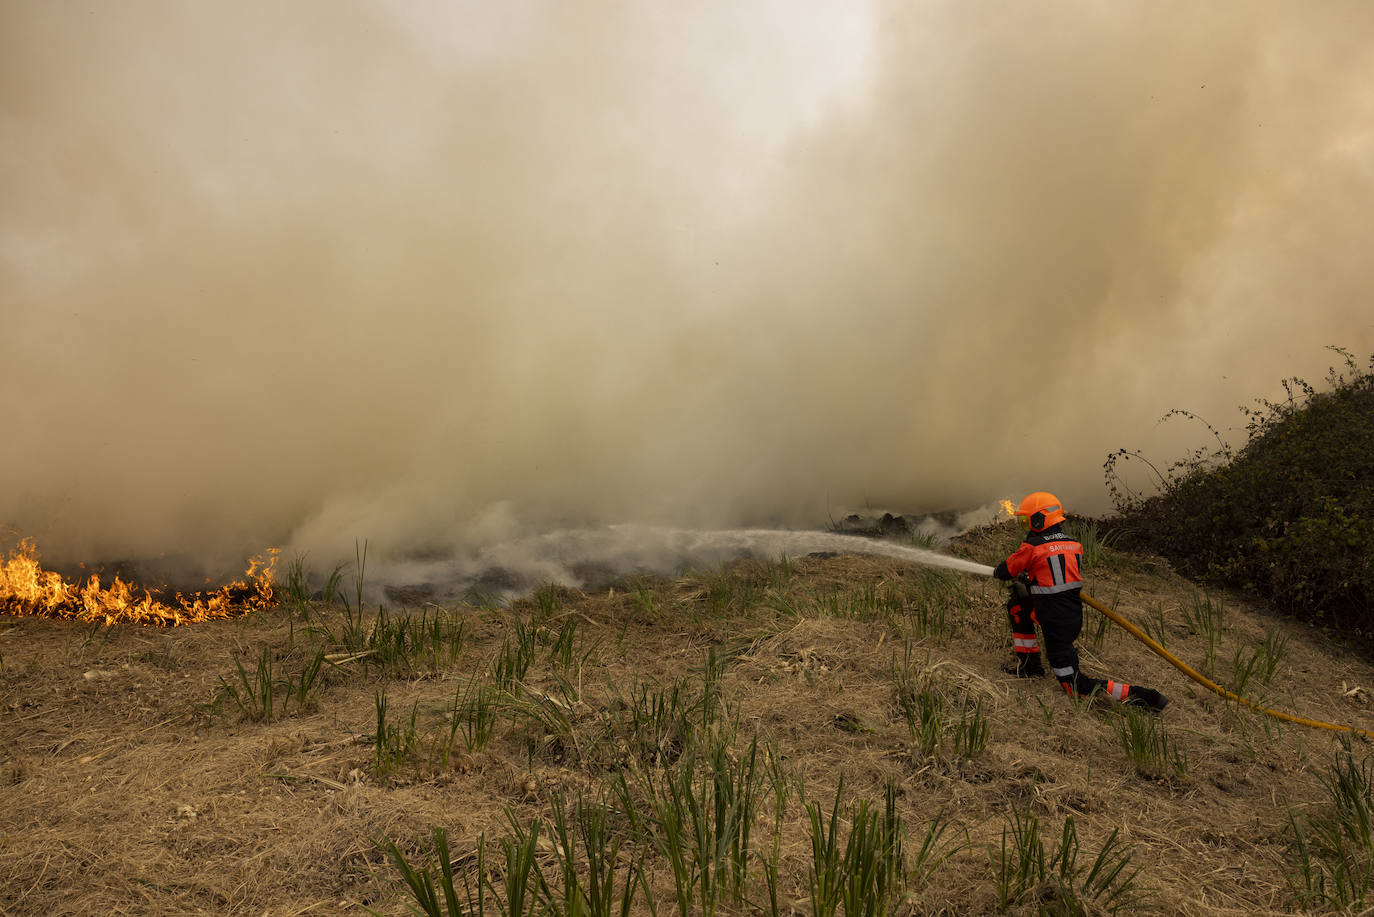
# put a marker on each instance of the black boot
(1024, 667)
(1147, 699)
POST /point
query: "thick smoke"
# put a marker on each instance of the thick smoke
(439, 275)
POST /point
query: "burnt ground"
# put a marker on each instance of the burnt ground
(131, 785)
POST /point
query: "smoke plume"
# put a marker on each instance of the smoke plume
(439, 275)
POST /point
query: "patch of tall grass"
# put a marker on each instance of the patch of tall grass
(593, 871)
(393, 745)
(513, 659)
(1095, 542)
(865, 874)
(1155, 627)
(1206, 617)
(474, 714)
(699, 816)
(588, 856)
(592, 882)
(1150, 749)
(653, 724)
(1332, 849)
(436, 895)
(1253, 668)
(1099, 625)
(734, 589)
(298, 577)
(406, 644)
(395, 644)
(1052, 880)
(555, 730)
(929, 597)
(942, 721)
(266, 691)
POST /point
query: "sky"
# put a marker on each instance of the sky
(442, 274)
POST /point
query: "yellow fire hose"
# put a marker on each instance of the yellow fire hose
(1208, 683)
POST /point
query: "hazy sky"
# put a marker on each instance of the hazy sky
(439, 273)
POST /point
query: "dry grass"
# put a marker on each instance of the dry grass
(128, 792)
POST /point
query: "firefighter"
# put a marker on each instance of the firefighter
(1045, 578)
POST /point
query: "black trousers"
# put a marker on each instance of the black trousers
(1060, 627)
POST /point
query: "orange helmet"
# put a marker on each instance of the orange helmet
(1041, 509)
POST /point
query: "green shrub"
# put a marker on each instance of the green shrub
(1287, 517)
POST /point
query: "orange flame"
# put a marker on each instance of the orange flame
(1008, 507)
(27, 589)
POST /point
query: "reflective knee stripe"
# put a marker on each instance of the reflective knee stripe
(1117, 690)
(1065, 672)
(1025, 644)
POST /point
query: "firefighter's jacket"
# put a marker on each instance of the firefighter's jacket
(1053, 562)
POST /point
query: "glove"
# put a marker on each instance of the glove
(1020, 585)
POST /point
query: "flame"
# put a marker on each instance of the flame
(1008, 507)
(27, 589)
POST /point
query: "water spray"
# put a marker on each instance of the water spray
(570, 556)
(776, 542)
